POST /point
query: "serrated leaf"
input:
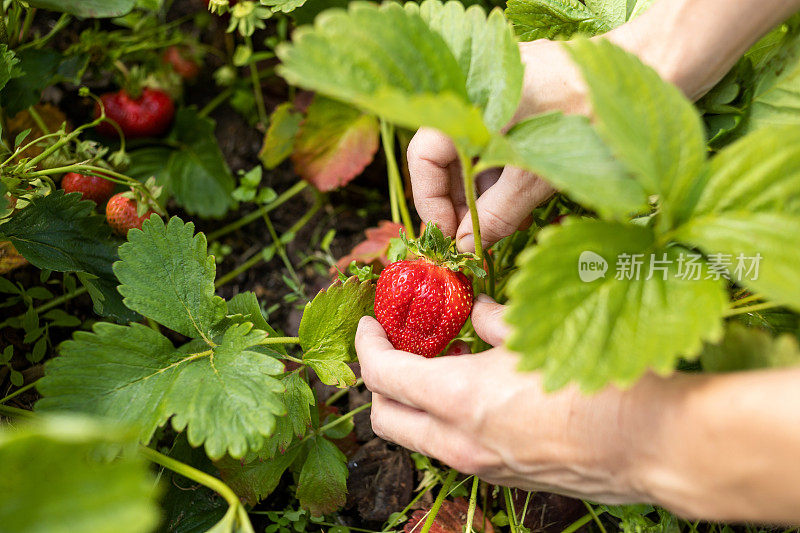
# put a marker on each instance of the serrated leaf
(607, 330)
(486, 51)
(613, 12)
(298, 399)
(8, 65)
(61, 232)
(387, 61)
(328, 328)
(54, 482)
(246, 304)
(86, 8)
(283, 6)
(648, 123)
(284, 123)
(745, 348)
(335, 144)
(550, 19)
(322, 487)
(254, 478)
(566, 151)
(194, 171)
(167, 275)
(225, 396)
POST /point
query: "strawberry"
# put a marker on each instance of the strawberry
(92, 188)
(181, 63)
(149, 115)
(423, 303)
(122, 215)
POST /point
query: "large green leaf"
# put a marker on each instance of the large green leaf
(613, 12)
(387, 61)
(649, 125)
(54, 482)
(37, 69)
(86, 8)
(322, 487)
(298, 399)
(550, 19)
(566, 151)
(609, 328)
(225, 396)
(254, 477)
(61, 232)
(193, 170)
(167, 275)
(487, 52)
(284, 123)
(745, 348)
(328, 329)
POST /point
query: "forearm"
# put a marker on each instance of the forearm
(722, 447)
(693, 43)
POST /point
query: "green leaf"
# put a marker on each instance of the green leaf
(255, 477)
(745, 348)
(328, 328)
(37, 69)
(8, 65)
(387, 61)
(224, 397)
(283, 6)
(776, 86)
(54, 482)
(760, 250)
(335, 144)
(194, 171)
(298, 399)
(486, 51)
(566, 151)
(246, 305)
(322, 487)
(284, 123)
(167, 275)
(551, 19)
(86, 8)
(61, 232)
(613, 12)
(609, 328)
(649, 125)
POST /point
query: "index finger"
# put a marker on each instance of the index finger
(431, 157)
(439, 386)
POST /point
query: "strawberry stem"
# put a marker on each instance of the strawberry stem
(468, 175)
(451, 476)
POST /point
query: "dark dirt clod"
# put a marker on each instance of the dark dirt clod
(381, 480)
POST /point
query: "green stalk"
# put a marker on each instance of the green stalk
(341, 392)
(344, 417)
(37, 118)
(215, 102)
(512, 514)
(577, 524)
(280, 340)
(244, 267)
(26, 25)
(397, 195)
(13, 411)
(262, 110)
(749, 309)
(473, 501)
(61, 299)
(469, 192)
(394, 521)
(250, 217)
(60, 24)
(437, 504)
(595, 517)
(19, 391)
(746, 300)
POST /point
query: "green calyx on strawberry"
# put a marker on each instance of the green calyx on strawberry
(423, 303)
(437, 248)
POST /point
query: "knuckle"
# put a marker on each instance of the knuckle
(497, 225)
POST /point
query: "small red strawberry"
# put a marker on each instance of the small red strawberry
(423, 303)
(149, 115)
(181, 63)
(93, 188)
(122, 215)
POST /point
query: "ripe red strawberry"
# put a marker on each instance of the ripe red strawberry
(93, 188)
(421, 305)
(121, 214)
(150, 115)
(183, 65)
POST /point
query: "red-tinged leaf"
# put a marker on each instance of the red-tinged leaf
(336, 142)
(372, 249)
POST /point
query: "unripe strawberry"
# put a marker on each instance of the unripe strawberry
(183, 65)
(422, 306)
(92, 188)
(121, 214)
(150, 115)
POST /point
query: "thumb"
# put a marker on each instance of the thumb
(487, 319)
(503, 208)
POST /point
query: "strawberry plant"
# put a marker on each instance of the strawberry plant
(198, 203)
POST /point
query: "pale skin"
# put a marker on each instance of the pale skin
(715, 446)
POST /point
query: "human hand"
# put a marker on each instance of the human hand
(507, 197)
(476, 413)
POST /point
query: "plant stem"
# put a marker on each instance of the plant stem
(749, 309)
(244, 267)
(394, 521)
(215, 102)
(37, 118)
(26, 25)
(396, 189)
(61, 299)
(339, 393)
(280, 340)
(577, 524)
(747, 300)
(20, 391)
(512, 514)
(595, 517)
(437, 504)
(469, 192)
(262, 110)
(473, 501)
(347, 416)
(13, 411)
(250, 217)
(60, 24)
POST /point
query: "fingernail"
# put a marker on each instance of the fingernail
(485, 298)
